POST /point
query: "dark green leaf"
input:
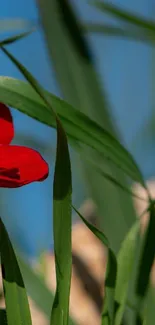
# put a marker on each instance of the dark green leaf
(113, 31)
(37, 289)
(17, 307)
(148, 255)
(108, 312)
(62, 208)
(73, 28)
(3, 318)
(15, 38)
(124, 15)
(98, 233)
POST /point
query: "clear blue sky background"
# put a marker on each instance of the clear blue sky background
(126, 70)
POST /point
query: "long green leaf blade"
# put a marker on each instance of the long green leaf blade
(118, 32)
(80, 86)
(62, 208)
(125, 264)
(15, 38)
(124, 15)
(62, 231)
(17, 307)
(148, 255)
(77, 125)
(37, 289)
(109, 303)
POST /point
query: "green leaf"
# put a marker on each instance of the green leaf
(119, 32)
(124, 15)
(74, 28)
(110, 282)
(62, 208)
(62, 230)
(98, 233)
(125, 264)
(77, 125)
(80, 86)
(17, 307)
(147, 256)
(36, 288)
(106, 175)
(3, 318)
(109, 303)
(15, 38)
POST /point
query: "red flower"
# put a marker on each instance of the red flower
(18, 165)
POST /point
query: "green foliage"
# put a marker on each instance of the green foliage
(17, 308)
(80, 86)
(80, 127)
(89, 129)
(127, 17)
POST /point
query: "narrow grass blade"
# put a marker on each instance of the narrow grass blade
(17, 307)
(80, 86)
(74, 28)
(134, 314)
(117, 32)
(110, 280)
(15, 38)
(124, 15)
(62, 209)
(125, 264)
(147, 257)
(62, 231)
(37, 289)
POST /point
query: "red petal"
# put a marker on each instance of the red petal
(20, 166)
(6, 125)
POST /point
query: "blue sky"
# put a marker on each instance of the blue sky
(125, 69)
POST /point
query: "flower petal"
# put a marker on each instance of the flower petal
(6, 125)
(20, 166)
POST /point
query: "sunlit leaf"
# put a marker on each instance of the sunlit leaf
(125, 264)
(17, 307)
(62, 231)
(77, 125)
